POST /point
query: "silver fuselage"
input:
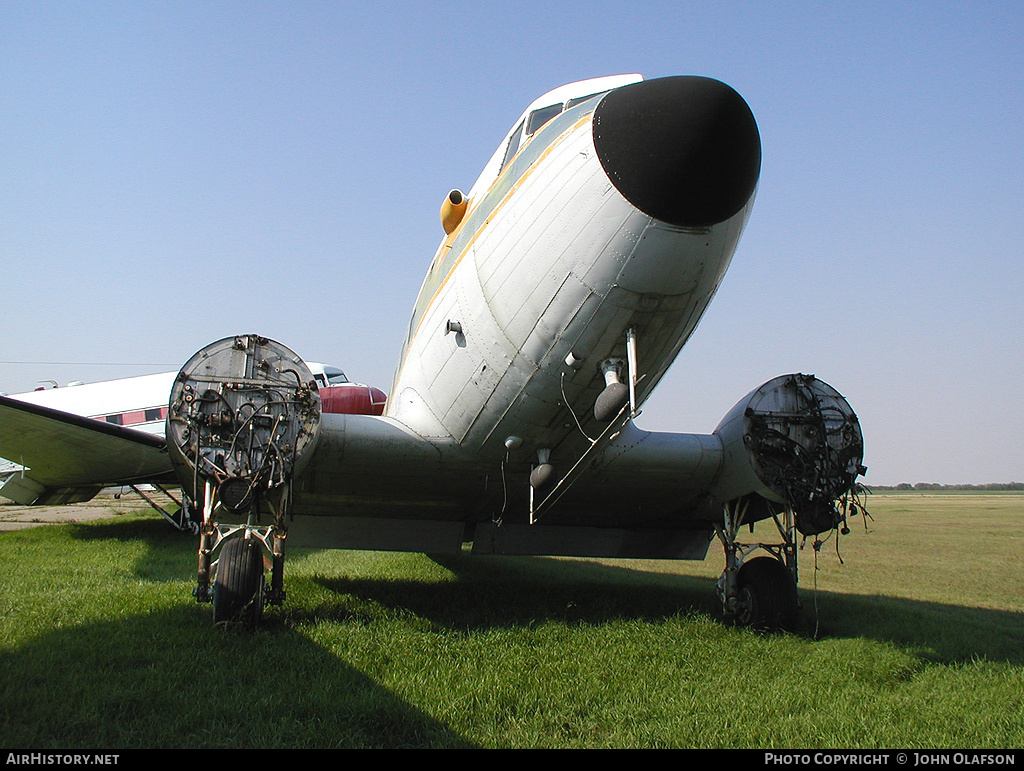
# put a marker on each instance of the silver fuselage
(550, 265)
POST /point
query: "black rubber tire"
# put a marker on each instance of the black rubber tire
(768, 598)
(238, 582)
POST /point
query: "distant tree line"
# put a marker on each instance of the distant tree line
(936, 486)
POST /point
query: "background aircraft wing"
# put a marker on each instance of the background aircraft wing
(69, 458)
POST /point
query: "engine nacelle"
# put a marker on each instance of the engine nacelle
(244, 416)
(795, 440)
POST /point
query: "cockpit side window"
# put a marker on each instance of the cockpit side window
(513, 145)
(541, 116)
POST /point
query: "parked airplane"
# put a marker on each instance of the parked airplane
(569, 278)
(40, 431)
(141, 402)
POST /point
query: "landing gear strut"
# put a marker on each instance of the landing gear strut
(243, 421)
(235, 582)
(760, 593)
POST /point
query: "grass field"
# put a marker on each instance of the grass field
(914, 640)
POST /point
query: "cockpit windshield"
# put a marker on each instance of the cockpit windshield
(539, 117)
(581, 99)
(334, 376)
(327, 376)
(535, 121)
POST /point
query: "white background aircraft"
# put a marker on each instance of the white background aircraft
(138, 404)
(570, 276)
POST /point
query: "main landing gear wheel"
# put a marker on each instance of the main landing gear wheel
(238, 586)
(767, 598)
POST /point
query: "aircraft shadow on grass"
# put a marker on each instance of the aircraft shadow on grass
(502, 592)
(520, 591)
(935, 631)
(166, 679)
(505, 592)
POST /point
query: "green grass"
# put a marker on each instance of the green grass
(915, 641)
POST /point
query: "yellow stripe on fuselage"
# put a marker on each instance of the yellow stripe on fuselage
(472, 240)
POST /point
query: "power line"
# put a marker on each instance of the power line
(92, 363)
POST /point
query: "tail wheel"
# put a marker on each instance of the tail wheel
(767, 596)
(238, 584)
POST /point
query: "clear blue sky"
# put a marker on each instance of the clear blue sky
(172, 173)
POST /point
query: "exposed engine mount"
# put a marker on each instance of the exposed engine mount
(796, 440)
(244, 417)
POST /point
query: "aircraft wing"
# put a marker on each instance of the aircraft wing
(69, 458)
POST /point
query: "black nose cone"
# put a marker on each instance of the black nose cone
(685, 150)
